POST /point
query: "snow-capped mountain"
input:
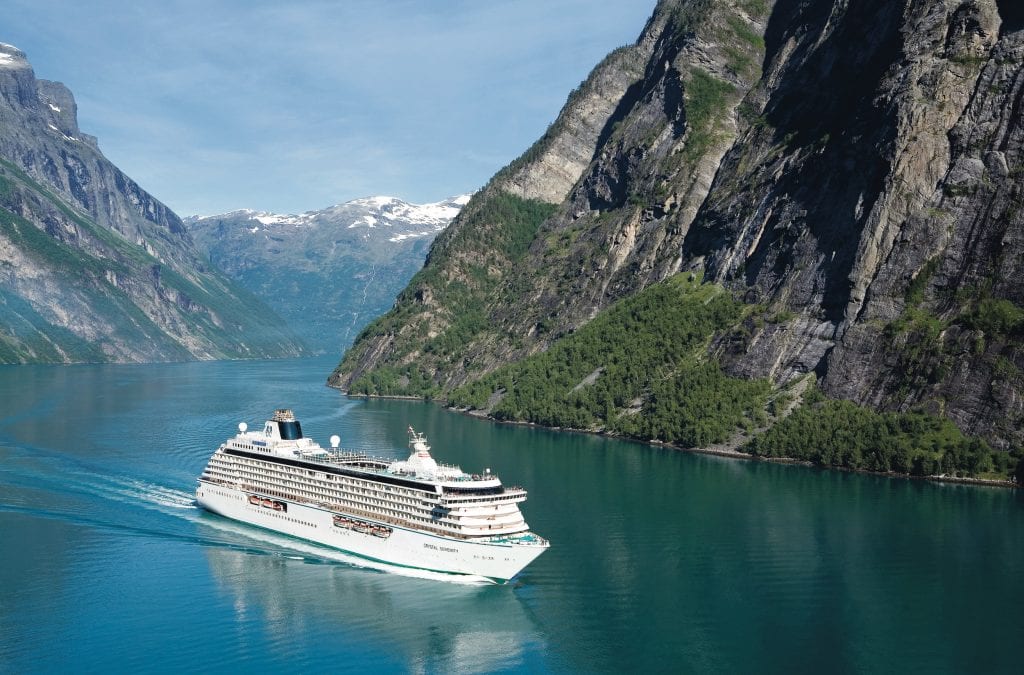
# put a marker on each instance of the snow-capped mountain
(331, 271)
(395, 219)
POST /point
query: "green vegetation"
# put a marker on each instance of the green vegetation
(997, 317)
(638, 369)
(916, 339)
(915, 291)
(511, 222)
(755, 8)
(395, 381)
(843, 434)
(739, 61)
(706, 100)
(6, 189)
(687, 17)
(493, 233)
(1005, 369)
(744, 32)
(923, 348)
(641, 369)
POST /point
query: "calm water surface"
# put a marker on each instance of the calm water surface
(660, 561)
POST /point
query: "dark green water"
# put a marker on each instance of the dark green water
(660, 561)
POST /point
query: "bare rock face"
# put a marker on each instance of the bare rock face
(965, 254)
(852, 167)
(92, 267)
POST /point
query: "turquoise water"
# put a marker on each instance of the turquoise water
(660, 561)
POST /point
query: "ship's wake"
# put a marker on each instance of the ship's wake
(84, 495)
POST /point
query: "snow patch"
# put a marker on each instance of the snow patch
(413, 235)
(366, 220)
(278, 219)
(437, 214)
(378, 202)
(12, 57)
(53, 107)
(63, 135)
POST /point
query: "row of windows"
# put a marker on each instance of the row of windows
(324, 488)
(352, 498)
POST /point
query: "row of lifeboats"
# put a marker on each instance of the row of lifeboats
(362, 526)
(267, 503)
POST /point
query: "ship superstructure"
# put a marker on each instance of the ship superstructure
(413, 512)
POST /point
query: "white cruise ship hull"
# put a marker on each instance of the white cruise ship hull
(403, 547)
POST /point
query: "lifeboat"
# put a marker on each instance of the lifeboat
(254, 500)
(268, 503)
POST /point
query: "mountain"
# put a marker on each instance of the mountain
(848, 172)
(92, 267)
(327, 272)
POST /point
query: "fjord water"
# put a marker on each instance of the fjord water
(660, 560)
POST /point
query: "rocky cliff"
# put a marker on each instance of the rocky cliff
(92, 267)
(326, 272)
(853, 170)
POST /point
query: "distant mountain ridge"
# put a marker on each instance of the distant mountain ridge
(94, 268)
(330, 271)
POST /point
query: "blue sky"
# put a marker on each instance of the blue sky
(287, 106)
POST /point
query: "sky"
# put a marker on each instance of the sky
(295, 105)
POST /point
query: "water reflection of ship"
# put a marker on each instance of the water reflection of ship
(434, 627)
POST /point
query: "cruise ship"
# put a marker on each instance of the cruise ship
(411, 513)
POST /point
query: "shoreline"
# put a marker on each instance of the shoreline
(383, 398)
(726, 449)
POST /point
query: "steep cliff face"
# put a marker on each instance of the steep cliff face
(852, 168)
(879, 211)
(92, 267)
(949, 289)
